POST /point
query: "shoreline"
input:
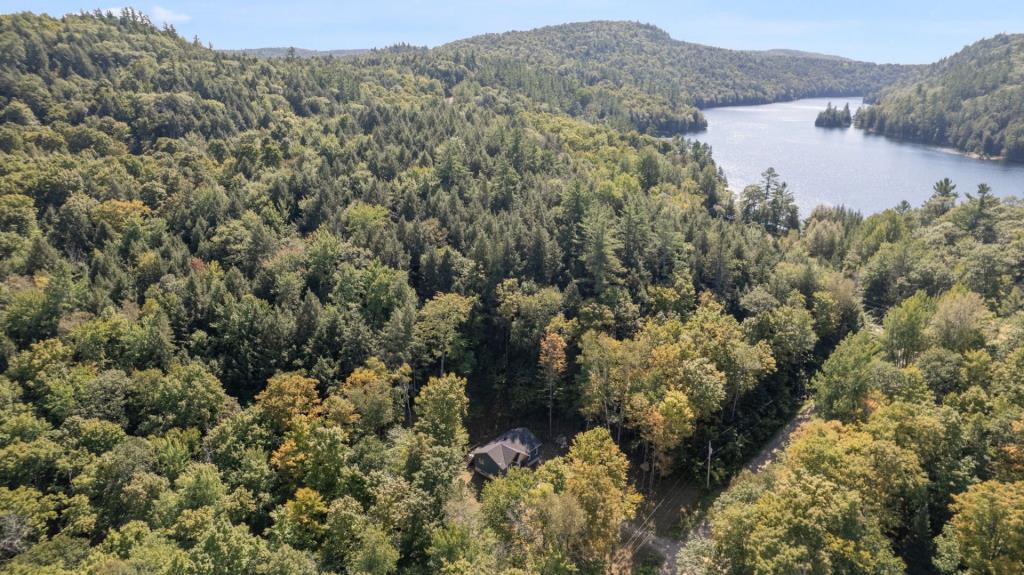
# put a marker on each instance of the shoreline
(941, 148)
(938, 147)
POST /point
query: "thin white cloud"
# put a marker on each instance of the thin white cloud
(163, 15)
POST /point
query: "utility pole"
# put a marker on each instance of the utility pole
(707, 483)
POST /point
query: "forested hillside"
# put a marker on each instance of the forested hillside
(282, 52)
(255, 311)
(973, 101)
(637, 74)
(913, 461)
(631, 75)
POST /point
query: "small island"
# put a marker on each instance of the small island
(833, 117)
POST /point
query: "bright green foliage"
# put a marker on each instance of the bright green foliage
(826, 507)
(986, 533)
(440, 408)
(250, 310)
(843, 387)
(905, 326)
(24, 518)
(436, 334)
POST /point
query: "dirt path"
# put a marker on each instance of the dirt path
(642, 535)
(644, 538)
(778, 442)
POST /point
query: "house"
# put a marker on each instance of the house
(515, 448)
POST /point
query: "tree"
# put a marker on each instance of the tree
(371, 392)
(596, 474)
(23, 521)
(436, 333)
(33, 313)
(374, 554)
(552, 363)
(440, 408)
(770, 204)
(888, 478)
(832, 117)
(986, 532)
(253, 337)
(943, 199)
(979, 216)
(17, 215)
(843, 386)
(227, 549)
(188, 396)
(343, 524)
(649, 169)
(612, 372)
(805, 525)
(788, 329)
(961, 321)
(287, 396)
(599, 252)
(462, 543)
(905, 329)
(720, 338)
(451, 170)
(667, 424)
(300, 522)
(567, 513)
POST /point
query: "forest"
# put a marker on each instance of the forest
(972, 101)
(636, 75)
(911, 462)
(255, 312)
(833, 117)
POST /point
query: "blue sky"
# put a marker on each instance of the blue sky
(911, 31)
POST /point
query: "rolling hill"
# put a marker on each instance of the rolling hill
(282, 52)
(973, 101)
(627, 74)
(638, 73)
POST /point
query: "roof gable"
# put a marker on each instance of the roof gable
(513, 446)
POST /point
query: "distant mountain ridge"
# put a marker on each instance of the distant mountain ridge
(804, 54)
(647, 57)
(634, 75)
(282, 52)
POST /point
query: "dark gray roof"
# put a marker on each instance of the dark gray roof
(504, 448)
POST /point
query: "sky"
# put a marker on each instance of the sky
(903, 31)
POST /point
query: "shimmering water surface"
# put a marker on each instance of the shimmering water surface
(835, 166)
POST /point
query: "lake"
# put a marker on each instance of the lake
(836, 166)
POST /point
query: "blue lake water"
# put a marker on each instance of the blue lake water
(840, 166)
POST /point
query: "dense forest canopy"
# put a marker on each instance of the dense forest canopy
(912, 460)
(973, 101)
(255, 311)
